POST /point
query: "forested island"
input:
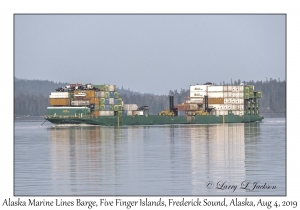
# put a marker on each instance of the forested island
(31, 97)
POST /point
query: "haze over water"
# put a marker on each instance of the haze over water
(220, 159)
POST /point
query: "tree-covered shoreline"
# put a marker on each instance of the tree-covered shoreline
(31, 96)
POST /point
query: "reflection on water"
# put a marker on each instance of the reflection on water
(156, 160)
(110, 160)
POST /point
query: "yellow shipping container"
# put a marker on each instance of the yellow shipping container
(215, 100)
(59, 102)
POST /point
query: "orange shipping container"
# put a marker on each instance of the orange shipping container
(215, 100)
(59, 102)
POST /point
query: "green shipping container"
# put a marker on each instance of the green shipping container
(97, 107)
(246, 89)
(106, 88)
(246, 95)
(111, 107)
(120, 108)
(102, 101)
(101, 87)
(116, 95)
(119, 101)
(116, 107)
(106, 94)
(102, 107)
(68, 111)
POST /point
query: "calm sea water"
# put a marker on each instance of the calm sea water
(191, 160)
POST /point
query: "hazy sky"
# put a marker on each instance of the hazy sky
(150, 53)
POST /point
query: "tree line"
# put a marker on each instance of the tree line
(31, 97)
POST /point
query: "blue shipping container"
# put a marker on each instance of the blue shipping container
(107, 107)
(116, 101)
(107, 102)
(124, 113)
(111, 94)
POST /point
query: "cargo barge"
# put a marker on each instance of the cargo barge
(101, 105)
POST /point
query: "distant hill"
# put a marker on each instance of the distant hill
(36, 87)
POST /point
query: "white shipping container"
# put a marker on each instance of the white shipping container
(198, 88)
(235, 88)
(111, 88)
(215, 88)
(102, 94)
(197, 93)
(111, 100)
(80, 103)
(241, 113)
(215, 94)
(196, 100)
(129, 113)
(229, 106)
(225, 88)
(223, 112)
(137, 112)
(59, 95)
(241, 101)
(241, 88)
(229, 88)
(106, 113)
(234, 107)
(130, 107)
(241, 107)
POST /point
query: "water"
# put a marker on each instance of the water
(191, 160)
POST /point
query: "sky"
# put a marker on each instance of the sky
(150, 53)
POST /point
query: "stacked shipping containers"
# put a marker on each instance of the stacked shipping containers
(226, 100)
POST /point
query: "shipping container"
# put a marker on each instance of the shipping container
(191, 107)
(106, 88)
(97, 94)
(198, 88)
(241, 88)
(80, 103)
(102, 94)
(227, 94)
(116, 95)
(100, 87)
(235, 89)
(116, 101)
(223, 112)
(116, 107)
(197, 94)
(229, 88)
(97, 107)
(195, 100)
(130, 107)
(92, 101)
(120, 108)
(102, 101)
(246, 95)
(129, 113)
(120, 102)
(215, 94)
(112, 88)
(106, 94)
(59, 95)
(111, 101)
(246, 89)
(137, 112)
(111, 94)
(213, 88)
(107, 107)
(106, 113)
(59, 102)
(102, 108)
(215, 100)
(106, 101)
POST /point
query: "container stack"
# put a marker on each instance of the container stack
(224, 100)
(131, 110)
(107, 101)
(59, 99)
